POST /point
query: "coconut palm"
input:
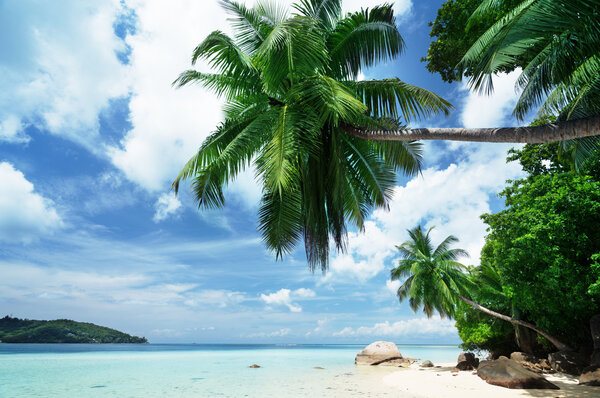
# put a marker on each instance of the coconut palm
(434, 280)
(326, 147)
(289, 81)
(561, 40)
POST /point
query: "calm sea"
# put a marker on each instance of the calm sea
(156, 370)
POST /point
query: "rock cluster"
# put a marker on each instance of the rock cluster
(531, 362)
(467, 361)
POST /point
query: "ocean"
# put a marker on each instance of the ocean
(177, 370)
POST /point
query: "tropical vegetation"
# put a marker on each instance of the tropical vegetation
(434, 280)
(15, 330)
(543, 250)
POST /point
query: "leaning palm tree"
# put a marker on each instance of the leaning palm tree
(289, 81)
(326, 147)
(434, 280)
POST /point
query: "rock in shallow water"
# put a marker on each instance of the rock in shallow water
(504, 372)
(254, 366)
(378, 352)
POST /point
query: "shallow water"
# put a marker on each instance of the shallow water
(62, 370)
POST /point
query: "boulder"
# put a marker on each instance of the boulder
(590, 376)
(567, 362)
(254, 366)
(377, 353)
(507, 373)
(427, 364)
(467, 361)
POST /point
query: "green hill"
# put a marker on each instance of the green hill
(15, 330)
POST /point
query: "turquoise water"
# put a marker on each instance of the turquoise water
(62, 370)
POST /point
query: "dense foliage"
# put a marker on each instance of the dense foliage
(289, 81)
(453, 35)
(14, 330)
(542, 247)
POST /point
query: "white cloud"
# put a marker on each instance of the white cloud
(277, 333)
(434, 326)
(284, 297)
(303, 292)
(215, 297)
(392, 286)
(168, 125)
(24, 214)
(365, 258)
(166, 205)
(481, 110)
(59, 68)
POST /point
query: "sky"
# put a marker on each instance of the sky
(92, 134)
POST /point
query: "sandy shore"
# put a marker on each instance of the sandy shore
(440, 382)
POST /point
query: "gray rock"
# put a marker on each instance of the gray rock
(427, 364)
(377, 353)
(507, 373)
(567, 362)
(590, 376)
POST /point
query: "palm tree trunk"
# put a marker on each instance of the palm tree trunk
(559, 345)
(540, 134)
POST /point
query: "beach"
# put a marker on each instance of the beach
(440, 382)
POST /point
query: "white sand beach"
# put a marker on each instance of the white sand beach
(440, 382)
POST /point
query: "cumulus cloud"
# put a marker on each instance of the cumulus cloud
(24, 214)
(365, 258)
(412, 327)
(166, 205)
(481, 110)
(168, 125)
(284, 297)
(59, 68)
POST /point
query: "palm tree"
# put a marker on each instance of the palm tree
(561, 40)
(434, 280)
(290, 87)
(326, 147)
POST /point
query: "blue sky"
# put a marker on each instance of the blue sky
(92, 134)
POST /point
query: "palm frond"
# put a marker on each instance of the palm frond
(362, 39)
(326, 11)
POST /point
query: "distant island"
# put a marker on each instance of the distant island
(15, 330)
